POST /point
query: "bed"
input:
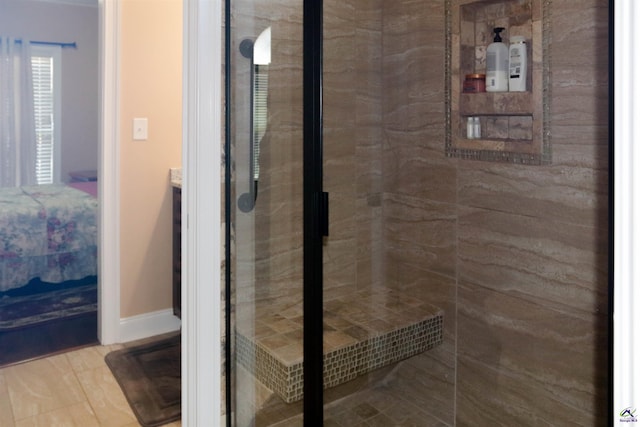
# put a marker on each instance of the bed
(47, 232)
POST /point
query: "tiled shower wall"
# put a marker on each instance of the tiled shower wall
(517, 255)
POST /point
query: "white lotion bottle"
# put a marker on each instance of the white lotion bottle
(518, 64)
(497, 79)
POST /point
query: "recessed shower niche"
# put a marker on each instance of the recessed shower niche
(514, 126)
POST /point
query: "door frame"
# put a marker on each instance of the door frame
(624, 206)
(201, 207)
(202, 103)
(109, 177)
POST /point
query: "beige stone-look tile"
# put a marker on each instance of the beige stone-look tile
(291, 422)
(369, 14)
(335, 320)
(263, 331)
(580, 97)
(488, 397)
(377, 405)
(562, 266)
(274, 342)
(77, 415)
(519, 349)
(580, 34)
(283, 326)
(106, 397)
(90, 357)
(420, 232)
(340, 246)
(553, 193)
(42, 386)
(380, 420)
(582, 156)
(413, 166)
(292, 312)
(417, 282)
(289, 354)
(368, 97)
(6, 413)
(369, 245)
(336, 340)
(422, 420)
(417, 170)
(428, 381)
(582, 135)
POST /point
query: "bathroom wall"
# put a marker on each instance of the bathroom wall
(352, 77)
(517, 255)
(268, 261)
(420, 195)
(151, 87)
(269, 238)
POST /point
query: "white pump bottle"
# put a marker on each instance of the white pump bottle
(497, 79)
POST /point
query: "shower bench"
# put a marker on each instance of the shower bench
(363, 331)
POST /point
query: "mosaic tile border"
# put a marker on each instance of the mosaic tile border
(537, 159)
(343, 364)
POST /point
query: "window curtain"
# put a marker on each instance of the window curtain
(18, 151)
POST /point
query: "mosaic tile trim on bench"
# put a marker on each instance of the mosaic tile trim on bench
(342, 364)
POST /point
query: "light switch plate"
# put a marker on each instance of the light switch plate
(140, 129)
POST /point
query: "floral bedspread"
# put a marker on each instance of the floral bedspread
(46, 231)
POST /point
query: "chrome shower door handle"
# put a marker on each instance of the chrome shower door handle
(247, 201)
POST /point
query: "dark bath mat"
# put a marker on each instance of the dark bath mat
(149, 376)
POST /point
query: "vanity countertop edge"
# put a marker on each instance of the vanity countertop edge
(176, 177)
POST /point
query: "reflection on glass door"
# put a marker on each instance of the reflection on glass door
(381, 319)
(266, 59)
(385, 278)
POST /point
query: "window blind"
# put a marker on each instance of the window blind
(46, 69)
(43, 107)
(260, 93)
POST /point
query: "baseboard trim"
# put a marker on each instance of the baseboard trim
(148, 325)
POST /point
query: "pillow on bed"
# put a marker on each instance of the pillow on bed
(90, 187)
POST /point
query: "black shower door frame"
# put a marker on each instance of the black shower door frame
(316, 214)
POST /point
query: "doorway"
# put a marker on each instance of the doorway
(49, 294)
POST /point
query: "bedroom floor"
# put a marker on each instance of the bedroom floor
(48, 338)
(42, 318)
(74, 389)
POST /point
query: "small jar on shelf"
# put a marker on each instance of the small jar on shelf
(474, 83)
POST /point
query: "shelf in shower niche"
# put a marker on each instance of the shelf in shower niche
(516, 125)
(496, 104)
(363, 331)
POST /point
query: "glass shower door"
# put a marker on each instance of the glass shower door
(267, 210)
(388, 273)
(337, 105)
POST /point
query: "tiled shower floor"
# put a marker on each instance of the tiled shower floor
(363, 331)
(376, 406)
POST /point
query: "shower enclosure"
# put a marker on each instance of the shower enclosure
(341, 268)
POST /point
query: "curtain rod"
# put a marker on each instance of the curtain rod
(62, 45)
